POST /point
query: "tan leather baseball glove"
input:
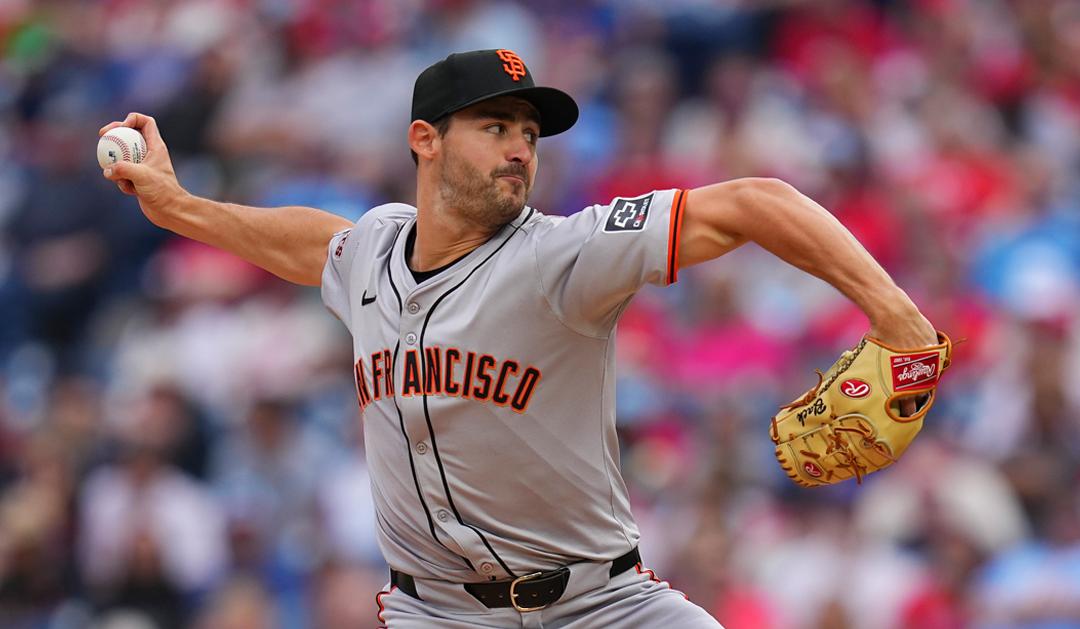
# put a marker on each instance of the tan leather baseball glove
(849, 425)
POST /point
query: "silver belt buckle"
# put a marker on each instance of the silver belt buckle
(514, 594)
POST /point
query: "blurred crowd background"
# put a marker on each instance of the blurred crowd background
(179, 435)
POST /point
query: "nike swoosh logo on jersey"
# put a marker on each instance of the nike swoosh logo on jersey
(365, 300)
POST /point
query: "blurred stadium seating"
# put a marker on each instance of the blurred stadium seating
(179, 437)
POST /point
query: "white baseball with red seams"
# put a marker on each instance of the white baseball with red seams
(122, 144)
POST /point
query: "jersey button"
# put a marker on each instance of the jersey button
(414, 307)
(443, 515)
(486, 567)
(410, 338)
(421, 448)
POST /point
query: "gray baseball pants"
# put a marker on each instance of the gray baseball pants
(630, 600)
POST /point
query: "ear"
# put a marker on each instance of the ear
(424, 139)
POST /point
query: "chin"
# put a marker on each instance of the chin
(517, 203)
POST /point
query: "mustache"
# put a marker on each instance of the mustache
(517, 170)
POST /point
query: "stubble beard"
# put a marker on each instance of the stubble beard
(477, 197)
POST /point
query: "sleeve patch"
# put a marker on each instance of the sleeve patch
(341, 244)
(629, 215)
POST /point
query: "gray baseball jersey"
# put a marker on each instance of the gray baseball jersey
(488, 390)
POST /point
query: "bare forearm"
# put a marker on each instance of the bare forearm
(289, 242)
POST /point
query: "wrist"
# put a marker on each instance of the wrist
(178, 208)
(899, 323)
(890, 307)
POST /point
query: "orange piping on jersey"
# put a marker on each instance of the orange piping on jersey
(652, 577)
(500, 397)
(453, 355)
(362, 394)
(678, 205)
(432, 371)
(466, 384)
(410, 384)
(483, 378)
(378, 601)
(525, 389)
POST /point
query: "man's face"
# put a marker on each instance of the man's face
(489, 163)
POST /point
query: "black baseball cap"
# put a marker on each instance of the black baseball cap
(466, 78)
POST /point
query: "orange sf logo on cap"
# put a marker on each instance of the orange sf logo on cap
(512, 64)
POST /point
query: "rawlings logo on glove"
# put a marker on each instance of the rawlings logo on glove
(850, 427)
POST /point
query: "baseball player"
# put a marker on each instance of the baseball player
(483, 337)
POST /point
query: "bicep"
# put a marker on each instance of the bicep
(711, 224)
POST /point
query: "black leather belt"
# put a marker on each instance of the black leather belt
(526, 593)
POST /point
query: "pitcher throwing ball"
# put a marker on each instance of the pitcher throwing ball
(483, 337)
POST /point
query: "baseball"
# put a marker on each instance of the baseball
(122, 144)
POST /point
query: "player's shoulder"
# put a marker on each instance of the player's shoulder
(624, 213)
(388, 215)
(381, 223)
(539, 220)
(375, 230)
(537, 225)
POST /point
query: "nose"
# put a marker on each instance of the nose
(519, 150)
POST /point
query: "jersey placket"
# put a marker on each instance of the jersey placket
(418, 413)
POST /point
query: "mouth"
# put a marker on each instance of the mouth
(513, 177)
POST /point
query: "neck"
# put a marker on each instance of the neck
(442, 234)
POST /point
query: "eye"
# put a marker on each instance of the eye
(497, 128)
(531, 136)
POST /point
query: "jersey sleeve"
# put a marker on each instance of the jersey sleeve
(591, 264)
(340, 259)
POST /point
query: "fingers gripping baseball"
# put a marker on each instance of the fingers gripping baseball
(145, 125)
(124, 174)
(153, 180)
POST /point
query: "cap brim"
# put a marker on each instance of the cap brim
(557, 109)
